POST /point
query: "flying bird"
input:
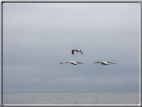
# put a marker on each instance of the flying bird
(104, 62)
(72, 62)
(76, 50)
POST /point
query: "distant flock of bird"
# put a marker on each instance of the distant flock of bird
(76, 63)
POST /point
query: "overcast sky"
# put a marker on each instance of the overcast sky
(38, 36)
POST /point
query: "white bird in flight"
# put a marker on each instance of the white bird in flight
(72, 62)
(76, 50)
(104, 62)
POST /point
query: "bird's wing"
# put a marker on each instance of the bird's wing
(72, 52)
(79, 62)
(111, 62)
(62, 63)
(81, 52)
(97, 62)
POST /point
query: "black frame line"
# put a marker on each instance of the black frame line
(69, 105)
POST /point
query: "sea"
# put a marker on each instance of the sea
(71, 98)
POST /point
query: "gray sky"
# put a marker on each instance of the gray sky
(38, 36)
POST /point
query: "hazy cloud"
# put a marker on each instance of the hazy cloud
(38, 36)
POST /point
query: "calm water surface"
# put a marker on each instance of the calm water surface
(72, 98)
